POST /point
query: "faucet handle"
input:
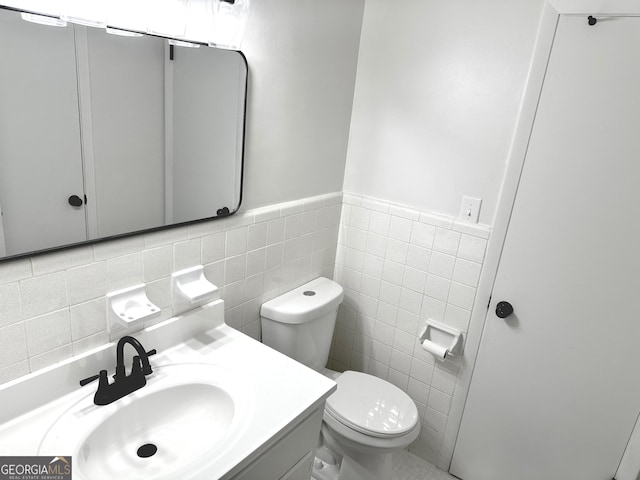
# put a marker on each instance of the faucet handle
(102, 376)
(85, 381)
(88, 380)
(146, 367)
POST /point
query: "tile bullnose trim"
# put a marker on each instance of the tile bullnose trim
(410, 213)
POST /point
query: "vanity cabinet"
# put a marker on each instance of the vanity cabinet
(291, 456)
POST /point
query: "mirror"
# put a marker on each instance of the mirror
(104, 135)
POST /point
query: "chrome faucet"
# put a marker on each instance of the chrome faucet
(123, 384)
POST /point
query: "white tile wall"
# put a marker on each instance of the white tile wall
(400, 266)
(52, 306)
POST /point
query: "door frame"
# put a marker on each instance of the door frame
(550, 17)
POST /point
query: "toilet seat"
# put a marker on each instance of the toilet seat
(371, 406)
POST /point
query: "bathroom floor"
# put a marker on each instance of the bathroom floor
(407, 466)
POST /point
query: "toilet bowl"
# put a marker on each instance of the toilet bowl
(367, 418)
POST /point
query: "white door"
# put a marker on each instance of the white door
(556, 388)
(40, 157)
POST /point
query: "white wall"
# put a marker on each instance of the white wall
(302, 58)
(437, 94)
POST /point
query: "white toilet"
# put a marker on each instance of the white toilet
(367, 418)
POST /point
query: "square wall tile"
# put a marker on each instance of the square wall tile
(404, 342)
(308, 222)
(457, 317)
(187, 254)
(410, 300)
(421, 371)
(400, 361)
(400, 229)
(275, 231)
(357, 239)
(56, 261)
(446, 241)
(437, 287)
(88, 318)
(397, 251)
(124, 271)
(423, 235)
(360, 217)
(235, 269)
(236, 241)
(472, 248)
(256, 261)
(393, 272)
(36, 362)
(373, 265)
(380, 223)
(15, 270)
(121, 247)
(87, 282)
(443, 381)
(48, 332)
(467, 272)
(156, 263)
(257, 236)
(442, 264)
(14, 371)
(414, 279)
(387, 313)
(322, 218)
(14, 348)
(10, 305)
(43, 294)
(408, 322)
(433, 308)
(292, 226)
(390, 293)
(273, 256)
(418, 258)
(461, 295)
(213, 247)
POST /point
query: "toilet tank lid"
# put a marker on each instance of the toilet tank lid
(305, 303)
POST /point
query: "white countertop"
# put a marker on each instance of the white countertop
(281, 390)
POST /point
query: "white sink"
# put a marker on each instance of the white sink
(185, 418)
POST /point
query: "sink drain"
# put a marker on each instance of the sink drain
(147, 450)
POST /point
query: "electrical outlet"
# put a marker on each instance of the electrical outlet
(470, 209)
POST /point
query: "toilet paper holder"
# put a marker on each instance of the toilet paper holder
(441, 340)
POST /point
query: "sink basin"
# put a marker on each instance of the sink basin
(184, 419)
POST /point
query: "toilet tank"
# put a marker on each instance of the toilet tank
(300, 322)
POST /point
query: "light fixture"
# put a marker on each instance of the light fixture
(199, 20)
(180, 43)
(43, 7)
(91, 13)
(127, 14)
(167, 18)
(122, 33)
(229, 22)
(43, 20)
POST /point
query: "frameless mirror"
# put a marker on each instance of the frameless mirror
(104, 135)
